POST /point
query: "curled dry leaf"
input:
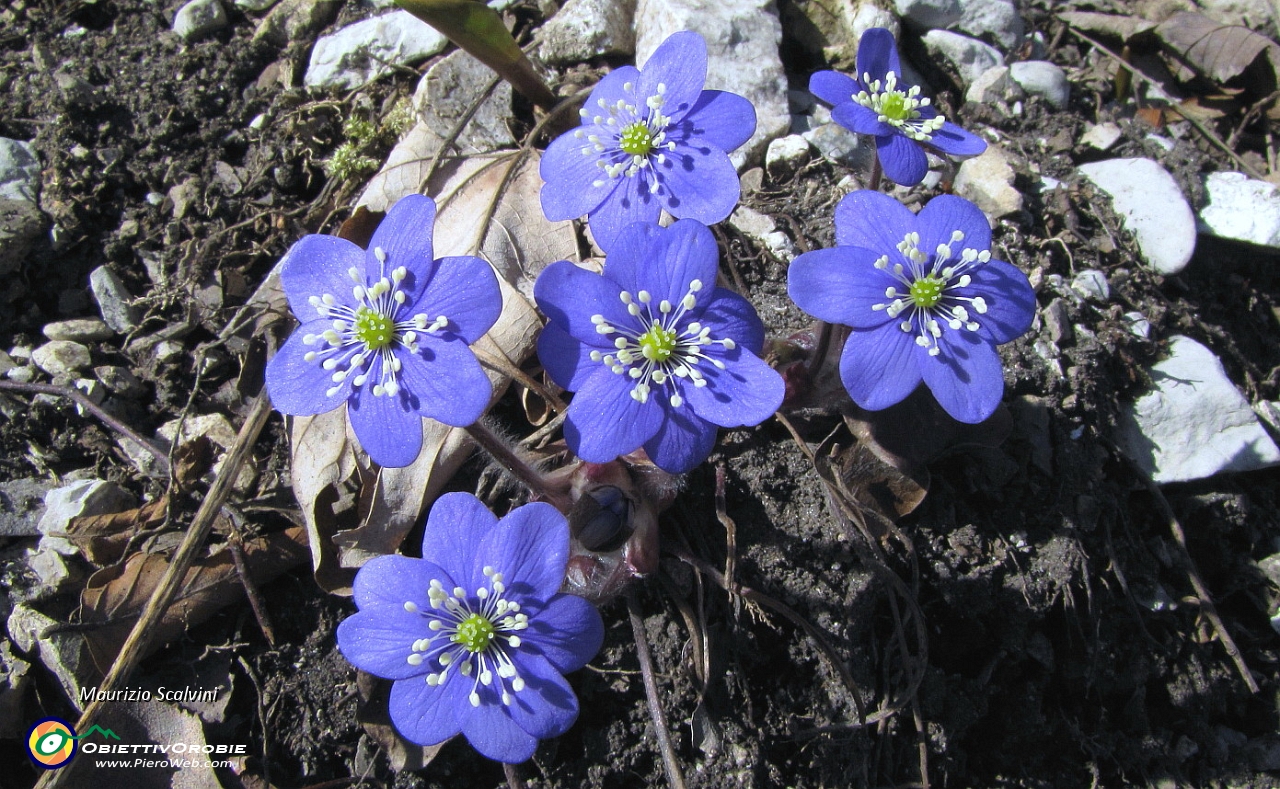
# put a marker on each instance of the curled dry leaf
(1220, 52)
(859, 481)
(1125, 28)
(115, 596)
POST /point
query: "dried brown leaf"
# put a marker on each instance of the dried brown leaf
(1220, 52)
(102, 538)
(1125, 28)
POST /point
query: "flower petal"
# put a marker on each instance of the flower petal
(530, 547)
(1011, 303)
(903, 159)
(317, 265)
(566, 360)
(872, 220)
(732, 316)
(387, 428)
(547, 706)
(682, 442)
(605, 421)
(465, 290)
(491, 730)
(723, 119)
(630, 202)
(456, 525)
(746, 392)
(946, 214)
(679, 64)
(612, 88)
(425, 714)
(569, 296)
(630, 259)
(878, 366)
(405, 237)
(878, 54)
(380, 640)
(663, 261)
(965, 377)
(567, 631)
(955, 141)
(833, 87)
(698, 182)
(299, 387)
(860, 119)
(388, 582)
(570, 176)
(841, 285)
(444, 381)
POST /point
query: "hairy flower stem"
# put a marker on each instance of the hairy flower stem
(506, 457)
(674, 778)
(876, 172)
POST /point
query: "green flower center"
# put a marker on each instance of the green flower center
(373, 328)
(658, 344)
(894, 106)
(927, 291)
(636, 140)
(475, 632)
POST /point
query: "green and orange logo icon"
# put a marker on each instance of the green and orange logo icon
(51, 743)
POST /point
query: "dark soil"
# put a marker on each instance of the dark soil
(1032, 624)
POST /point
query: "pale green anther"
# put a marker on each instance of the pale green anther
(636, 140)
(373, 329)
(475, 632)
(927, 291)
(894, 107)
(657, 344)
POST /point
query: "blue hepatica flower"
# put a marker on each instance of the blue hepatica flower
(650, 139)
(925, 299)
(475, 633)
(657, 354)
(385, 331)
(878, 103)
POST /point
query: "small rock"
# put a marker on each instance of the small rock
(987, 180)
(199, 18)
(840, 146)
(76, 92)
(1152, 207)
(1044, 79)
(21, 223)
(1241, 208)
(168, 350)
(1270, 567)
(19, 170)
(61, 357)
(1092, 284)
(996, 18)
(1102, 136)
(295, 20)
(785, 157)
(762, 230)
(993, 86)
(1250, 13)
(14, 679)
(1139, 326)
(1058, 321)
(21, 375)
(120, 380)
(52, 574)
(21, 506)
(450, 91)
(79, 499)
(968, 56)
(1195, 424)
(929, 14)
(183, 196)
(586, 29)
(114, 302)
(254, 5)
(215, 427)
(64, 654)
(78, 330)
(359, 53)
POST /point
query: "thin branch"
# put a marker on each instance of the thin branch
(672, 767)
(515, 465)
(502, 364)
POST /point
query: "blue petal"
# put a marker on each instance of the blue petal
(1011, 303)
(630, 260)
(387, 582)
(860, 119)
(491, 730)
(955, 141)
(570, 190)
(965, 377)
(680, 65)
(455, 527)
(465, 290)
(612, 88)
(630, 202)
(878, 54)
(873, 220)
(878, 366)
(569, 296)
(387, 428)
(530, 547)
(429, 715)
(664, 261)
(567, 631)
(746, 392)
(841, 285)
(683, 441)
(698, 182)
(944, 215)
(903, 160)
(605, 421)
(317, 265)
(547, 706)
(729, 315)
(405, 237)
(444, 381)
(566, 360)
(722, 119)
(380, 640)
(298, 387)
(833, 87)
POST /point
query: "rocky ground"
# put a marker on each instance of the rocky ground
(1086, 595)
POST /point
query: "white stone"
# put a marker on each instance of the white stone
(14, 679)
(1195, 424)
(454, 87)
(53, 574)
(61, 357)
(254, 5)
(968, 56)
(215, 427)
(868, 15)
(79, 499)
(21, 223)
(77, 330)
(992, 86)
(997, 18)
(1152, 207)
(987, 181)
(785, 156)
(359, 53)
(1044, 79)
(19, 170)
(742, 49)
(199, 18)
(64, 653)
(586, 29)
(929, 13)
(1092, 284)
(1102, 136)
(21, 506)
(1242, 209)
(1250, 13)
(114, 302)
(762, 230)
(838, 145)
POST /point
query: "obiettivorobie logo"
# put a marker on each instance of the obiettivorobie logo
(51, 742)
